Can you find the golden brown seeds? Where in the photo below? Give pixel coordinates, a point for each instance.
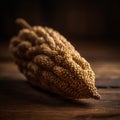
(50, 62)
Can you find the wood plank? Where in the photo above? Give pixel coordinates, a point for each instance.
(19, 100)
(107, 74)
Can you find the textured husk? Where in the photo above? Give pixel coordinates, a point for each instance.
(50, 62)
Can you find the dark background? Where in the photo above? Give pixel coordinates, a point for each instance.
(92, 21)
(93, 27)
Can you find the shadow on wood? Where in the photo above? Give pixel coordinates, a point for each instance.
(20, 92)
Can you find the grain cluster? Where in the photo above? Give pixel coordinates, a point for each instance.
(50, 62)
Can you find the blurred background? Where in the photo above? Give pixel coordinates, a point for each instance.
(93, 27)
(91, 23)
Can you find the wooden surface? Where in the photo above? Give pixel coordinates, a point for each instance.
(20, 101)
